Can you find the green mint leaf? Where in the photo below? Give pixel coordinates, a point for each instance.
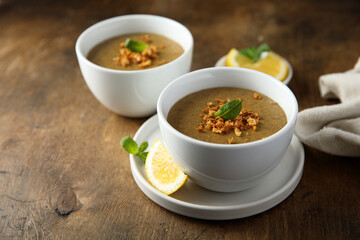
(143, 156)
(262, 48)
(229, 110)
(254, 53)
(143, 147)
(135, 46)
(129, 145)
(249, 52)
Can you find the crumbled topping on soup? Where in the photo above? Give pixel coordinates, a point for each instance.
(244, 121)
(126, 57)
(114, 53)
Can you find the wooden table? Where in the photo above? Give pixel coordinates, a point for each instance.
(63, 174)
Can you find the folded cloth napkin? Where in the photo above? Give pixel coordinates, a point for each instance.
(334, 129)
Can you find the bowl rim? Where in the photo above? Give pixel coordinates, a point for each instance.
(290, 123)
(109, 21)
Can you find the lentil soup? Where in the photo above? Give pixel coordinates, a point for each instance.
(259, 118)
(112, 53)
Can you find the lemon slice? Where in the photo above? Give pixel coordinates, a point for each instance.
(272, 64)
(161, 170)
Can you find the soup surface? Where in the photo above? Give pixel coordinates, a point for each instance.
(111, 54)
(189, 113)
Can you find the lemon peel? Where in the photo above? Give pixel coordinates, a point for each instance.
(271, 64)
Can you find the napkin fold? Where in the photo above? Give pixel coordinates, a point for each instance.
(334, 129)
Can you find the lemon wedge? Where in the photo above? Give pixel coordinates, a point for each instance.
(272, 64)
(161, 170)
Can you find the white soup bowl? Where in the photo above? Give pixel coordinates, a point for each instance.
(226, 167)
(132, 93)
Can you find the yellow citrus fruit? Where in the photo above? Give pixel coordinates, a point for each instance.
(272, 64)
(161, 170)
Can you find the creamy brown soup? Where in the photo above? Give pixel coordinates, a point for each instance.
(107, 53)
(187, 113)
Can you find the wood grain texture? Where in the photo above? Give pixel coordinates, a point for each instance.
(63, 174)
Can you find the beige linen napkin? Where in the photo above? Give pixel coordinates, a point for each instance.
(334, 129)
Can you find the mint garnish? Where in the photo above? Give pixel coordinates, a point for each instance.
(254, 53)
(131, 147)
(135, 46)
(229, 110)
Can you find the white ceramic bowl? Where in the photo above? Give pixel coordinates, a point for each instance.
(132, 93)
(225, 167)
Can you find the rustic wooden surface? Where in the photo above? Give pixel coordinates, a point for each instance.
(63, 174)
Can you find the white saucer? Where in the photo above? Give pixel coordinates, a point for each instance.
(194, 201)
(221, 63)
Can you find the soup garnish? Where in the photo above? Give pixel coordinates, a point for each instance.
(135, 52)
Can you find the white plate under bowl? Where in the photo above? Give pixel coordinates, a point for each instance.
(222, 63)
(194, 201)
